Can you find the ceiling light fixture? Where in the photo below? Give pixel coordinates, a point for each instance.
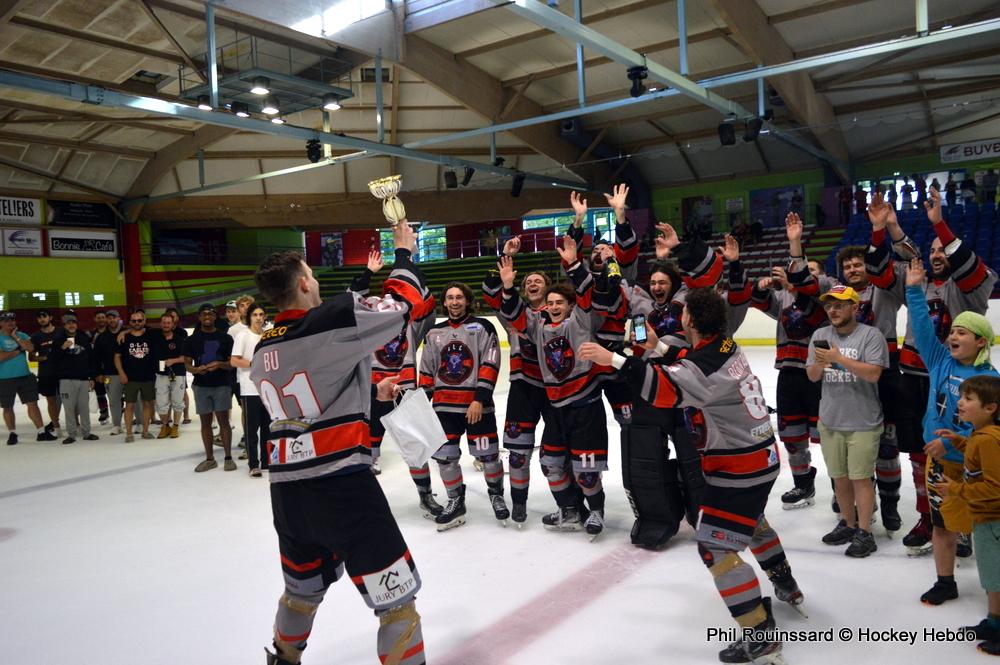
(240, 109)
(204, 102)
(261, 85)
(270, 106)
(330, 102)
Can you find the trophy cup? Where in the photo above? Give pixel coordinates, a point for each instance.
(386, 189)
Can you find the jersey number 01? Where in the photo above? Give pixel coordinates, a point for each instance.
(299, 389)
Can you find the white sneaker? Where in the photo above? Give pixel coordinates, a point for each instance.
(115, 431)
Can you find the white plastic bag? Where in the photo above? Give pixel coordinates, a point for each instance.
(415, 428)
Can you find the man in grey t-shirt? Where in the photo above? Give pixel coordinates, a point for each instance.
(849, 357)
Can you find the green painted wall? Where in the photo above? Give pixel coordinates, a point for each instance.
(88, 277)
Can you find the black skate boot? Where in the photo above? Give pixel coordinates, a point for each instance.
(963, 548)
(918, 540)
(500, 508)
(273, 658)
(785, 587)
(594, 524)
(803, 494)
(753, 651)
(563, 519)
(890, 516)
(454, 513)
(984, 630)
(519, 513)
(429, 506)
(841, 534)
(941, 592)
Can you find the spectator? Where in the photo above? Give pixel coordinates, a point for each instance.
(171, 377)
(234, 321)
(935, 185)
(950, 192)
(16, 379)
(906, 195)
(100, 389)
(207, 352)
(860, 200)
(76, 366)
(48, 382)
(135, 362)
(891, 195)
(756, 232)
(990, 180)
(848, 357)
(920, 185)
(979, 488)
(256, 421)
(844, 199)
(173, 311)
(968, 190)
(105, 348)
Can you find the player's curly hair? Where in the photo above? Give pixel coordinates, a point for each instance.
(277, 275)
(850, 252)
(708, 312)
(564, 289)
(464, 288)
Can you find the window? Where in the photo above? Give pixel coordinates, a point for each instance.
(599, 223)
(431, 244)
(71, 298)
(3, 302)
(99, 298)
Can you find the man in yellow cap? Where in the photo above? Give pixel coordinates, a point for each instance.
(848, 357)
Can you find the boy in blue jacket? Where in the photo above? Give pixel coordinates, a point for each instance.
(965, 353)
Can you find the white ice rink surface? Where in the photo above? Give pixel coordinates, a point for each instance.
(115, 554)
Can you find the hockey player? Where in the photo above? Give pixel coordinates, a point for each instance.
(960, 281)
(965, 354)
(397, 358)
(313, 372)
(459, 368)
(740, 460)
(576, 436)
(526, 399)
(788, 297)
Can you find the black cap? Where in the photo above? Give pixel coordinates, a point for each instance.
(69, 317)
(206, 307)
(42, 312)
(7, 316)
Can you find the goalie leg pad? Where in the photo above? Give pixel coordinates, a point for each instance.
(651, 485)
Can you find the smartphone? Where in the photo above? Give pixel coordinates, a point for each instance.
(639, 328)
(822, 344)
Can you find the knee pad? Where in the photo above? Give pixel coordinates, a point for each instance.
(448, 461)
(588, 479)
(300, 604)
(486, 459)
(718, 565)
(887, 450)
(517, 460)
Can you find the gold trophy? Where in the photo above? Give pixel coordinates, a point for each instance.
(386, 189)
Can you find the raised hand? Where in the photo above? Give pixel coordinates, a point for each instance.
(731, 250)
(568, 250)
(579, 206)
(512, 246)
(778, 276)
(507, 273)
(375, 260)
(669, 234)
(793, 227)
(933, 206)
(617, 198)
(878, 211)
(915, 273)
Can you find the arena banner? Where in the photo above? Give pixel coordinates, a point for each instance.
(80, 213)
(971, 150)
(82, 244)
(26, 212)
(22, 242)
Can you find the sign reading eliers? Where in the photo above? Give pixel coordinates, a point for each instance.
(20, 211)
(966, 152)
(22, 242)
(82, 244)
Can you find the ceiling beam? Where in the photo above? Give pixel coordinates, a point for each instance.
(298, 153)
(514, 99)
(86, 146)
(763, 157)
(885, 150)
(813, 10)
(419, 17)
(103, 195)
(394, 114)
(131, 87)
(145, 6)
(917, 97)
(680, 149)
(763, 41)
(593, 144)
(8, 8)
(483, 94)
(143, 124)
(91, 38)
(870, 73)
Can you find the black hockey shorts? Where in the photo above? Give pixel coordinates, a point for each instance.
(482, 436)
(375, 426)
(525, 403)
(579, 430)
(327, 524)
(729, 515)
(910, 411)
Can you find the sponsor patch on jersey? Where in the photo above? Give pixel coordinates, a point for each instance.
(300, 449)
(762, 432)
(474, 326)
(772, 455)
(393, 353)
(559, 357)
(456, 363)
(388, 587)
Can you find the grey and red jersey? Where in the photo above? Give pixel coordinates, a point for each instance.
(397, 357)
(567, 378)
(313, 373)
(968, 287)
(460, 364)
(736, 439)
(797, 312)
(523, 352)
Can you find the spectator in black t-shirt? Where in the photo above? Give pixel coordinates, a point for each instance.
(105, 348)
(135, 361)
(207, 352)
(48, 382)
(72, 356)
(171, 380)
